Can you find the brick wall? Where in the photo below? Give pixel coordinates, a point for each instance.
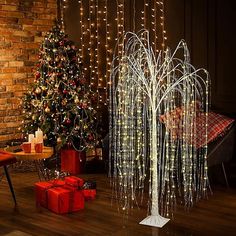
(22, 27)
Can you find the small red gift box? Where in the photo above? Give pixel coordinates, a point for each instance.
(41, 189)
(89, 194)
(65, 199)
(74, 181)
(72, 161)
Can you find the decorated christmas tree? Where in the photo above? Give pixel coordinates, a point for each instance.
(59, 101)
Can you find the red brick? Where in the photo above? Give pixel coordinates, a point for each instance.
(9, 70)
(30, 28)
(16, 63)
(13, 38)
(3, 101)
(13, 14)
(6, 57)
(9, 7)
(26, 21)
(41, 22)
(8, 21)
(12, 2)
(21, 33)
(17, 87)
(25, 69)
(4, 63)
(6, 95)
(2, 89)
(38, 39)
(5, 79)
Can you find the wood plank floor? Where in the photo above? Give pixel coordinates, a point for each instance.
(215, 216)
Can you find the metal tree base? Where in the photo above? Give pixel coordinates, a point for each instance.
(156, 221)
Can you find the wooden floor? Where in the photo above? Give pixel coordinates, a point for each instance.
(215, 216)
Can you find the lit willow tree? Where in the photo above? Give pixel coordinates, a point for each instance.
(147, 90)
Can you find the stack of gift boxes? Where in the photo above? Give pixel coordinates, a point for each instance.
(64, 196)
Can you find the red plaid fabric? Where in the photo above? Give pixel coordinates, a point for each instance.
(217, 125)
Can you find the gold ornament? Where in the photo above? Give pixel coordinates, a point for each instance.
(44, 88)
(76, 100)
(50, 92)
(64, 102)
(38, 90)
(47, 109)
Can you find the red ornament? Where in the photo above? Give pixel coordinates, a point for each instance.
(90, 137)
(37, 74)
(68, 121)
(73, 83)
(65, 91)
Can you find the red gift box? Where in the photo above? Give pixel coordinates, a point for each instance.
(65, 199)
(74, 181)
(72, 161)
(89, 194)
(41, 189)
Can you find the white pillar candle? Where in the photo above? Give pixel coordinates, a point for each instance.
(30, 138)
(39, 136)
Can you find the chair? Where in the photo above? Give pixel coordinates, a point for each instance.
(5, 160)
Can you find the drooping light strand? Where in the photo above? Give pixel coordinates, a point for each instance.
(108, 53)
(154, 12)
(162, 22)
(63, 6)
(153, 24)
(120, 24)
(92, 45)
(145, 14)
(82, 32)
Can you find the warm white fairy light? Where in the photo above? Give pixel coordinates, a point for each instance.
(144, 86)
(63, 6)
(120, 24)
(82, 32)
(162, 22)
(145, 13)
(108, 52)
(92, 39)
(154, 12)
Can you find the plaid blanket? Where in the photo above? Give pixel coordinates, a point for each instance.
(217, 125)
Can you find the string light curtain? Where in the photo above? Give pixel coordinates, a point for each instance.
(102, 23)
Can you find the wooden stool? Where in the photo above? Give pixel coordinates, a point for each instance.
(5, 160)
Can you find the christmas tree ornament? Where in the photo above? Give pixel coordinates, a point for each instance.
(47, 110)
(76, 100)
(37, 75)
(44, 88)
(38, 90)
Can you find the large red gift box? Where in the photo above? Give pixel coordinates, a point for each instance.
(72, 161)
(65, 199)
(41, 189)
(74, 181)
